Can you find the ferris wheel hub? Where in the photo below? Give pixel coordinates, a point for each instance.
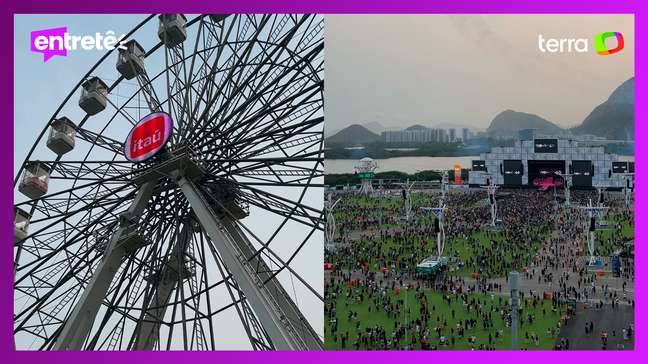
(181, 163)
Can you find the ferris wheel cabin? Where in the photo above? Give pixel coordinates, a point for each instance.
(35, 180)
(61, 136)
(130, 61)
(94, 95)
(21, 224)
(172, 29)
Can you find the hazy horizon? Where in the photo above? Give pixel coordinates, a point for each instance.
(400, 70)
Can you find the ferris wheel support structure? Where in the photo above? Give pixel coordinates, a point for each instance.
(149, 328)
(78, 326)
(284, 323)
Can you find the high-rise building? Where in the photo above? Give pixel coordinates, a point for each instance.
(420, 135)
(465, 135)
(453, 136)
(443, 136)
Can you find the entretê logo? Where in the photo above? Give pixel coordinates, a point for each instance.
(57, 42)
(148, 137)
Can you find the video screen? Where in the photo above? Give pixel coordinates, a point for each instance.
(620, 167)
(545, 146)
(512, 172)
(582, 171)
(479, 165)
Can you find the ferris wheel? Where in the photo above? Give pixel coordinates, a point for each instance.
(178, 203)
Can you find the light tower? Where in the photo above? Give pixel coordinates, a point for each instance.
(365, 171)
(600, 195)
(513, 283)
(444, 182)
(567, 177)
(439, 229)
(628, 188)
(408, 201)
(444, 185)
(329, 233)
(593, 212)
(491, 188)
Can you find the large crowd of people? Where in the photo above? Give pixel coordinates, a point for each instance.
(377, 248)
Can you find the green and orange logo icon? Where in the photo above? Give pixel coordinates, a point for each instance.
(601, 48)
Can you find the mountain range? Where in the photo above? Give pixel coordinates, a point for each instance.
(612, 119)
(509, 122)
(353, 135)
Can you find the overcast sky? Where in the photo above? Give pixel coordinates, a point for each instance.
(464, 69)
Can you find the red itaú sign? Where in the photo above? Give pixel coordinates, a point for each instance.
(148, 137)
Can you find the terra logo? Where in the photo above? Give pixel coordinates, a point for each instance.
(148, 136)
(57, 42)
(581, 45)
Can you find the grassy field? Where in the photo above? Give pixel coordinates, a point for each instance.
(414, 251)
(609, 240)
(545, 319)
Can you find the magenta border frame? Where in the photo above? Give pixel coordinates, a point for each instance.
(9, 8)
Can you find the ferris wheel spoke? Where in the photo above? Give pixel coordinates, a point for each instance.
(264, 45)
(277, 102)
(295, 68)
(302, 164)
(269, 253)
(274, 76)
(273, 124)
(92, 171)
(234, 166)
(104, 203)
(99, 140)
(66, 243)
(282, 141)
(147, 89)
(241, 57)
(222, 43)
(257, 336)
(268, 124)
(239, 85)
(282, 207)
(174, 84)
(292, 128)
(202, 76)
(304, 140)
(230, 84)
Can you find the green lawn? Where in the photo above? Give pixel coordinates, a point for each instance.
(412, 251)
(610, 240)
(542, 322)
